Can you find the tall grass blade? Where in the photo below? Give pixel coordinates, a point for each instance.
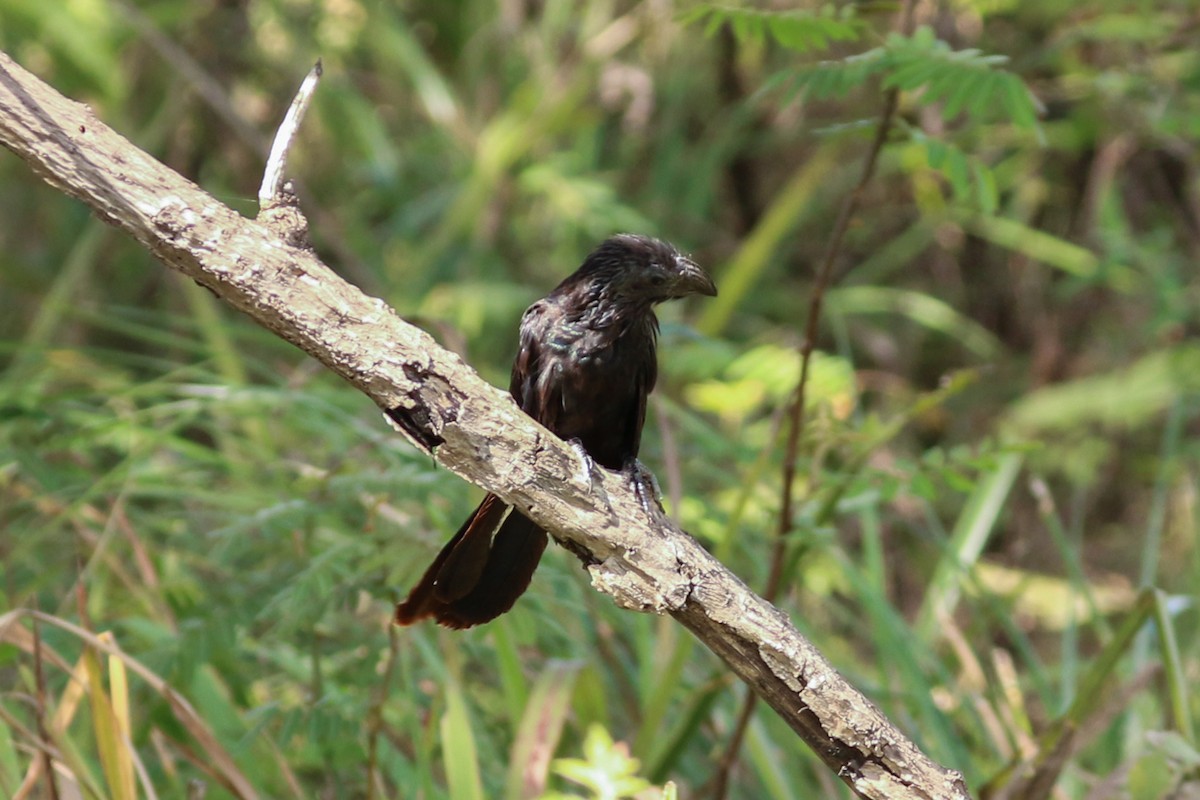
(970, 534)
(540, 729)
(458, 746)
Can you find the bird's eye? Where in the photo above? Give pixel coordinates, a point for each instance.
(658, 280)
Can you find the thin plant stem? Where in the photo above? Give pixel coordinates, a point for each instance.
(796, 411)
(43, 732)
(375, 786)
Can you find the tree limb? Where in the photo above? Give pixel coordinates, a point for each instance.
(468, 426)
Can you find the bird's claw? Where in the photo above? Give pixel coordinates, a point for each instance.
(645, 486)
(588, 474)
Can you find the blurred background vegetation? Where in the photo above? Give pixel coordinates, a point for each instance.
(1000, 452)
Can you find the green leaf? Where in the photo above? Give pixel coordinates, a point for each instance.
(458, 747)
(972, 531)
(966, 81)
(1122, 399)
(606, 768)
(540, 728)
(924, 309)
(1054, 251)
(797, 30)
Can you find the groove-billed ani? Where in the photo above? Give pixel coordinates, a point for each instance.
(585, 365)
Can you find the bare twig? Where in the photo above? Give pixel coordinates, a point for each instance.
(286, 136)
(470, 427)
(278, 204)
(811, 331)
(217, 98)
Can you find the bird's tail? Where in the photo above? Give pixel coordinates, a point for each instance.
(480, 572)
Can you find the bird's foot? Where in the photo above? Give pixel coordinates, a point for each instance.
(645, 486)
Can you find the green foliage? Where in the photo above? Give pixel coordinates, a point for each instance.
(972, 183)
(960, 81)
(801, 31)
(927, 69)
(763, 377)
(1000, 449)
(606, 769)
(1159, 772)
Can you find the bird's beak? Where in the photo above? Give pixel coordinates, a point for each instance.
(693, 279)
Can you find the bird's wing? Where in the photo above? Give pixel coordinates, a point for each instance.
(536, 382)
(527, 363)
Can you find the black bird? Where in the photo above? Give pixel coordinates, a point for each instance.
(585, 366)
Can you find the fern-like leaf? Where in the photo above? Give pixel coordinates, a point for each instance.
(800, 31)
(965, 81)
(836, 78)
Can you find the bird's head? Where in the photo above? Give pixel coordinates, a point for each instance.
(644, 270)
